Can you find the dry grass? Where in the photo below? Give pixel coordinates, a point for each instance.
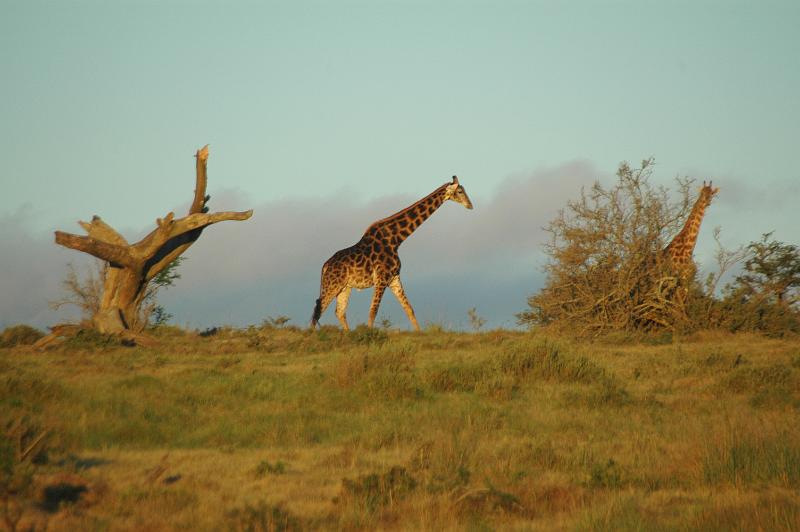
(279, 429)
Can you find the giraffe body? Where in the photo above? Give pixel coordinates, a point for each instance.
(374, 261)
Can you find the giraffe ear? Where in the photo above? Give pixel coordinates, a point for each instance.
(455, 180)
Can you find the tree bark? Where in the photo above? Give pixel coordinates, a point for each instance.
(132, 266)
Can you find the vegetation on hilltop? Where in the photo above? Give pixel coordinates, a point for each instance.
(608, 273)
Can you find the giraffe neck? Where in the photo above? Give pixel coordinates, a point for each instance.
(400, 225)
(681, 248)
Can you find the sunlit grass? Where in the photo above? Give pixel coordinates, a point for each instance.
(276, 427)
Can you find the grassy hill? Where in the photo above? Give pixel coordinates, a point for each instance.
(273, 428)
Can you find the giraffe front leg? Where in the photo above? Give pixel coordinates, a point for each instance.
(376, 301)
(397, 288)
(341, 307)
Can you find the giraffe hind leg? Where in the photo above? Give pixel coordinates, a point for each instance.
(397, 289)
(341, 307)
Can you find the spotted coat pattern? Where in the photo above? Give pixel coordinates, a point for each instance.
(373, 260)
(679, 251)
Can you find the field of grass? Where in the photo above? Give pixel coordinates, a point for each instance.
(280, 429)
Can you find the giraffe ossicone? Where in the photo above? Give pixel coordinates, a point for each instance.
(373, 260)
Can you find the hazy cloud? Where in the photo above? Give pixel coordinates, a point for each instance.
(270, 265)
(241, 272)
(31, 269)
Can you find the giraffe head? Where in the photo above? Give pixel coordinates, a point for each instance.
(456, 192)
(707, 193)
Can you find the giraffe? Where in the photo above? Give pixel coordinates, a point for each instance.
(679, 251)
(373, 260)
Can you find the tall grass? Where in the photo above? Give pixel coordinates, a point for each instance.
(744, 456)
(287, 429)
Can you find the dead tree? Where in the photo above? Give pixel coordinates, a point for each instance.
(130, 267)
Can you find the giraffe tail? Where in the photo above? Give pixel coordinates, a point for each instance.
(317, 313)
(318, 306)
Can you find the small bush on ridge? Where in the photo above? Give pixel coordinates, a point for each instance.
(19, 335)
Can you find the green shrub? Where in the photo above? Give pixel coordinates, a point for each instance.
(92, 339)
(382, 372)
(750, 457)
(434, 328)
(167, 331)
(457, 378)
(748, 379)
(265, 467)
(8, 457)
(20, 335)
(606, 393)
(736, 313)
(375, 490)
(545, 360)
(488, 500)
(623, 513)
(364, 335)
(501, 376)
(606, 475)
(263, 517)
(612, 393)
(775, 512)
(777, 397)
(765, 296)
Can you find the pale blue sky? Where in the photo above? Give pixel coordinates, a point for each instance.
(103, 103)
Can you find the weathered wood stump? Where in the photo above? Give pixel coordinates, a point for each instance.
(130, 267)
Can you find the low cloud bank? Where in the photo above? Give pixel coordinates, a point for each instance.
(488, 258)
(239, 273)
(242, 272)
(31, 270)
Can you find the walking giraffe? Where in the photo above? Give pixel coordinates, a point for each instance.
(679, 251)
(373, 260)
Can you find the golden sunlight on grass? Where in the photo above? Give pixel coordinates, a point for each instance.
(280, 429)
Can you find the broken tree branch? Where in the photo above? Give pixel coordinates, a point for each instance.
(112, 253)
(99, 230)
(200, 199)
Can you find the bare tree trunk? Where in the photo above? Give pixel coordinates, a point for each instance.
(132, 266)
